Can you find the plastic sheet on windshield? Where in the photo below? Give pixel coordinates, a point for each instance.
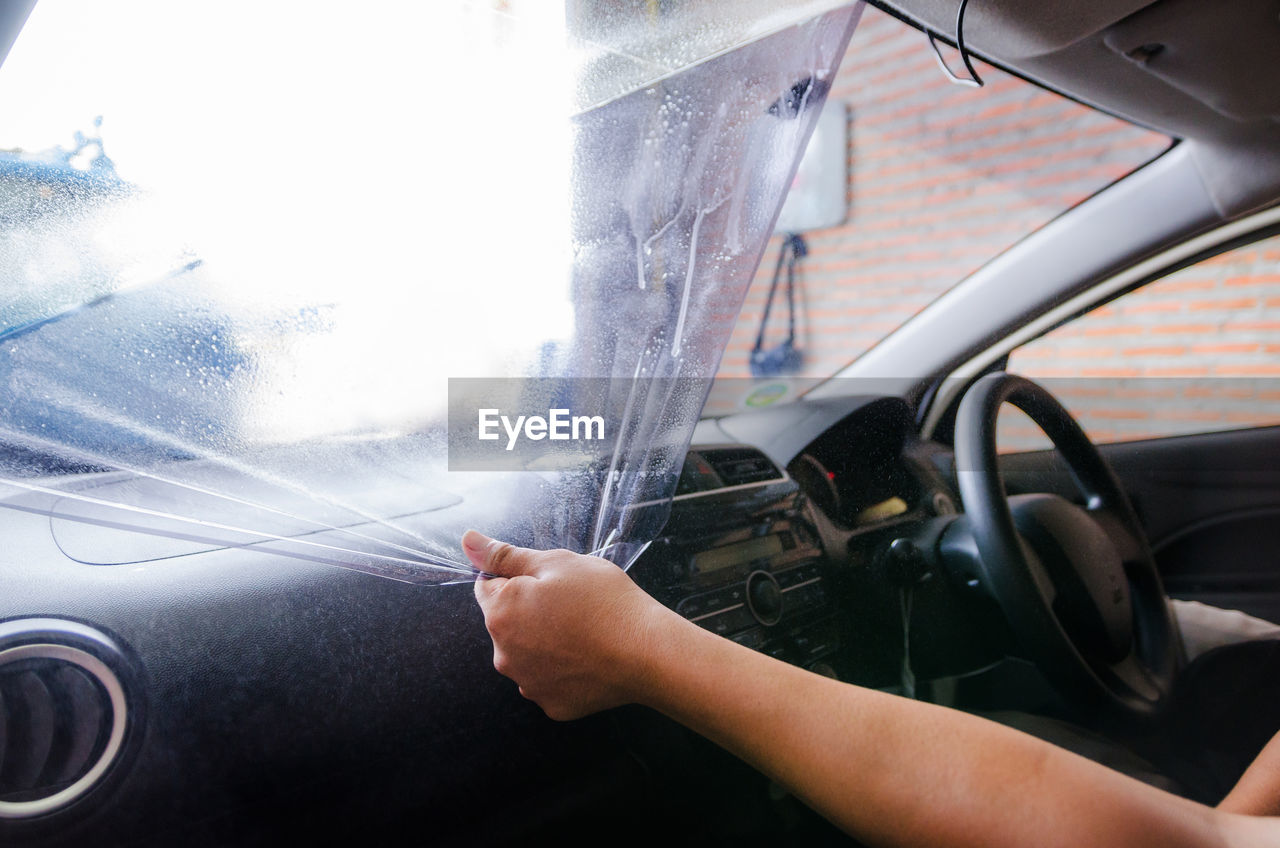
(250, 343)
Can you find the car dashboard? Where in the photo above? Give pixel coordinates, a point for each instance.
(264, 701)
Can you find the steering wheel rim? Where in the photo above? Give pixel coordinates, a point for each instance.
(1052, 599)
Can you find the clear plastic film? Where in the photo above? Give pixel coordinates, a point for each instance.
(259, 322)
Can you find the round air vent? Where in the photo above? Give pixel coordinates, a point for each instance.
(63, 714)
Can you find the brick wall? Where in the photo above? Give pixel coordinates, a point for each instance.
(941, 179)
(1194, 352)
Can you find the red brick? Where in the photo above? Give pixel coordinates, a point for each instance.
(1176, 414)
(1186, 329)
(1034, 352)
(1220, 259)
(1150, 308)
(1144, 394)
(1118, 330)
(1244, 347)
(1248, 370)
(1254, 280)
(1127, 413)
(1078, 390)
(1245, 326)
(1182, 284)
(1045, 373)
(1182, 371)
(1255, 419)
(1109, 372)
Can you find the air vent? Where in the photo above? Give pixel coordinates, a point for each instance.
(739, 466)
(62, 720)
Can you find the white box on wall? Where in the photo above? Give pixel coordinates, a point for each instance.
(817, 196)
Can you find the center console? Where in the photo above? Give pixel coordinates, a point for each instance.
(739, 558)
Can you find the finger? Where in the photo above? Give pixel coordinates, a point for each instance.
(487, 587)
(496, 558)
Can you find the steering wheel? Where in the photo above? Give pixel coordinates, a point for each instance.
(1077, 585)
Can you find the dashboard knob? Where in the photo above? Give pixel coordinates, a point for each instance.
(764, 597)
(825, 669)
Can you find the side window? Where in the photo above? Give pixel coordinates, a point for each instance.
(1194, 352)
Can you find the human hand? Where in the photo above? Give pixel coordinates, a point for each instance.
(573, 631)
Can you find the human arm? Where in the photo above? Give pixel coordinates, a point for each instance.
(578, 636)
(1257, 793)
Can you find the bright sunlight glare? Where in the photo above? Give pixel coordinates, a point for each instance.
(353, 159)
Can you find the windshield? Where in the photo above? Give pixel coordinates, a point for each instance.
(264, 266)
(910, 184)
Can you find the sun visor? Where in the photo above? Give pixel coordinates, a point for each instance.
(1227, 62)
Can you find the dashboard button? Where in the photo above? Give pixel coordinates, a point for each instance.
(824, 669)
(740, 618)
(791, 577)
(812, 595)
(692, 607)
(724, 598)
(764, 597)
(718, 624)
(818, 639)
(805, 596)
(729, 621)
(716, 600)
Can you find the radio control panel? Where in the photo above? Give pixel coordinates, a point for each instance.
(757, 579)
(785, 614)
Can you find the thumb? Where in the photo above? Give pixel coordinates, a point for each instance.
(496, 558)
